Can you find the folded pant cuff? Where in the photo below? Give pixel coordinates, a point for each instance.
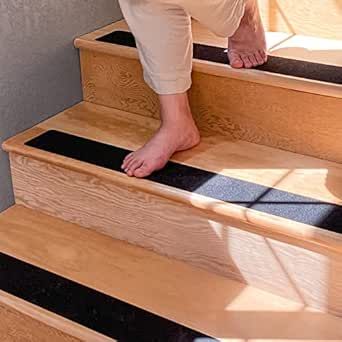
(168, 86)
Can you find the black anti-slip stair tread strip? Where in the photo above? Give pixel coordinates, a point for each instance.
(246, 194)
(277, 65)
(90, 308)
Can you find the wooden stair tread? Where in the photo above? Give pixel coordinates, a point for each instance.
(200, 300)
(293, 173)
(16, 326)
(299, 47)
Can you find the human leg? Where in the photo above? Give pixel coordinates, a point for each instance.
(164, 41)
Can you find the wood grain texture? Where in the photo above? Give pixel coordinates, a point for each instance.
(105, 79)
(313, 18)
(18, 327)
(201, 300)
(284, 118)
(222, 246)
(274, 168)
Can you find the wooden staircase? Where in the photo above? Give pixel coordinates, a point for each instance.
(238, 239)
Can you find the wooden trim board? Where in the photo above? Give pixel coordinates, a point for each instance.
(215, 305)
(202, 35)
(18, 326)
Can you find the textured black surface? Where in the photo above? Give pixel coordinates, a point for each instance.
(277, 65)
(92, 309)
(250, 195)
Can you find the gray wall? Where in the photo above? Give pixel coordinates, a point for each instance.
(39, 68)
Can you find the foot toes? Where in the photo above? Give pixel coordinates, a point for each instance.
(133, 166)
(127, 160)
(129, 156)
(253, 60)
(259, 58)
(130, 162)
(235, 60)
(143, 171)
(264, 56)
(247, 63)
(236, 63)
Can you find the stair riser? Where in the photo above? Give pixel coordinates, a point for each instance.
(182, 232)
(307, 17)
(257, 113)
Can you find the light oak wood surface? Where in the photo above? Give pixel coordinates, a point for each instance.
(203, 301)
(309, 17)
(222, 104)
(18, 327)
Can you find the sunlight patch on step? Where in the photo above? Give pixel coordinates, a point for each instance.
(311, 49)
(273, 39)
(246, 301)
(301, 274)
(217, 228)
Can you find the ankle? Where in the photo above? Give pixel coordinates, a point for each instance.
(178, 103)
(180, 137)
(175, 110)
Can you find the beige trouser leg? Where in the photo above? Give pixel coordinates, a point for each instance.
(220, 16)
(162, 29)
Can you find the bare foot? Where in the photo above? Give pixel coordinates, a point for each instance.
(177, 132)
(247, 47)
